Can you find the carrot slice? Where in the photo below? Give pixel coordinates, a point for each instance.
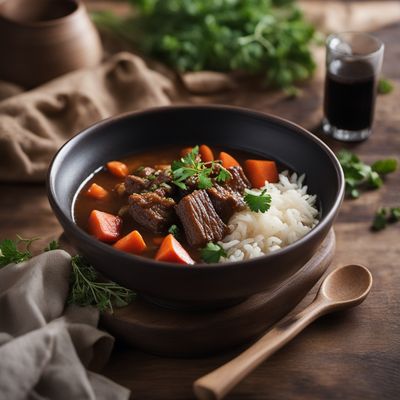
(172, 251)
(227, 160)
(184, 152)
(118, 168)
(105, 227)
(158, 240)
(131, 243)
(259, 171)
(206, 153)
(96, 191)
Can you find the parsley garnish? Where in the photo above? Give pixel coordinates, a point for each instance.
(384, 216)
(174, 230)
(212, 253)
(11, 252)
(85, 290)
(84, 286)
(385, 86)
(53, 245)
(359, 175)
(260, 202)
(191, 166)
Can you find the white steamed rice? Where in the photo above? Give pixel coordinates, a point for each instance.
(292, 215)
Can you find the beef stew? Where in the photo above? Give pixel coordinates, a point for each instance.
(158, 194)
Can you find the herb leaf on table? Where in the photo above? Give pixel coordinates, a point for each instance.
(359, 175)
(385, 86)
(53, 245)
(11, 252)
(385, 216)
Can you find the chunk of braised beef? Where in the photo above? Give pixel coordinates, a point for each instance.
(157, 181)
(162, 183)
(152, 211)
(225, 201)
(144, 172)
(136, 184)
(165, 190)
(162, 176)
(199, 219)
(238, 181)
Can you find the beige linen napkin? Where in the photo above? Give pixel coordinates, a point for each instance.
(33, 125)
(45, 347)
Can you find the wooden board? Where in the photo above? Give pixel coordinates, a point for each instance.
(176, 333)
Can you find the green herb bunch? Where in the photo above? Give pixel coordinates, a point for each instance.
(85, 287)
(268, 37)
(87, 290)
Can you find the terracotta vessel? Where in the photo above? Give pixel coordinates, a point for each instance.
(43, 39)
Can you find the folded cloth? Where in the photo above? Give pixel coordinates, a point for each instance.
(34, 124)
(45, 347)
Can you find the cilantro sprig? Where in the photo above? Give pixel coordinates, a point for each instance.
(359, 175)
(191, 166)
(212, 253)
(258, 202)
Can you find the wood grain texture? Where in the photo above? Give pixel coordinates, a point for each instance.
(350, 355)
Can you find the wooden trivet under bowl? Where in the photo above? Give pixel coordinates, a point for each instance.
(177, 333)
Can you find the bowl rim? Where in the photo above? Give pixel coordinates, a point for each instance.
(85, 237)
(78, 8)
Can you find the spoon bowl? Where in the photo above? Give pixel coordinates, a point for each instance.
(346, 286)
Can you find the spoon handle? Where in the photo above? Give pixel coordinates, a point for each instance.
(219, 382)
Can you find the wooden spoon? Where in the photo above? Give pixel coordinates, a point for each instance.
(344, 287)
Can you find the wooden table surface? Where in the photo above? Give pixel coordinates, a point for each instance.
(350, 355)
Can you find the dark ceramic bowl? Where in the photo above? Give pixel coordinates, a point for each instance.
(201, 284)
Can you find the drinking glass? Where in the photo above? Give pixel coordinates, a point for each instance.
(353, 64)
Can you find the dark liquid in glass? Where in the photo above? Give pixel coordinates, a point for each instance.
(350, 95)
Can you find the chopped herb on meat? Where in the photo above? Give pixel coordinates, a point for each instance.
(191, 166)
(174, 230)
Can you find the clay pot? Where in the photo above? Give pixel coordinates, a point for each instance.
(43, 39)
